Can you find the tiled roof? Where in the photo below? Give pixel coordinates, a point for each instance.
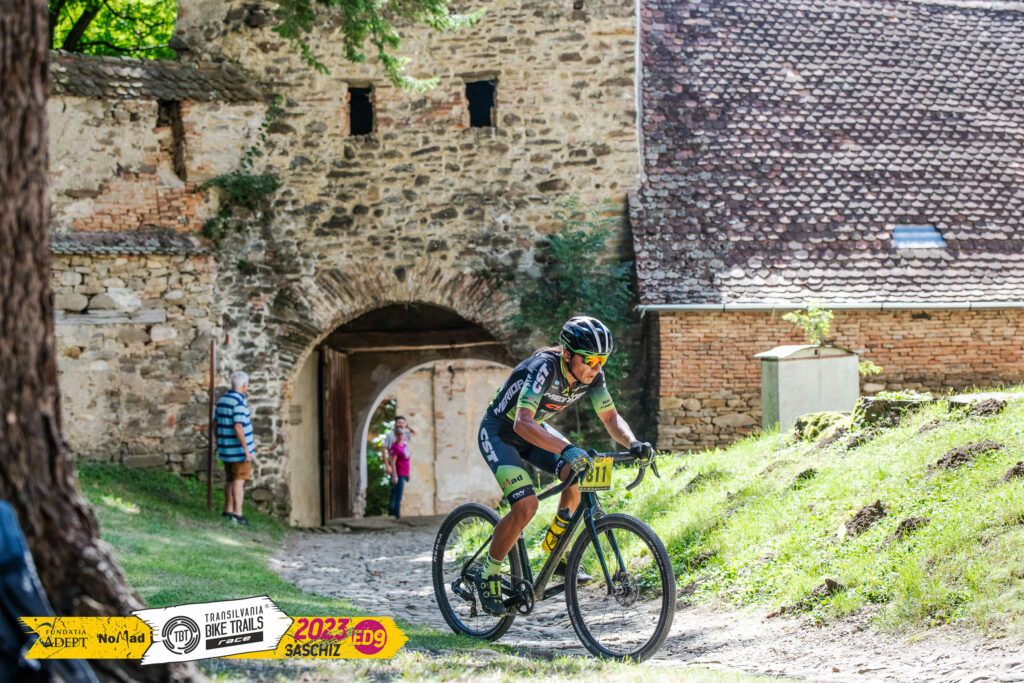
(117, 243)
(132, 78)
(784, 139)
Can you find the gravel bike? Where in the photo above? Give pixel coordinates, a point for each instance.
(623, 613)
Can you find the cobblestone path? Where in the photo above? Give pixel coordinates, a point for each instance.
(388, 573)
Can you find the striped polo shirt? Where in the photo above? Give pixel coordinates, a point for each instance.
(231, 410)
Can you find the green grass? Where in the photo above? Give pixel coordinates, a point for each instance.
(174, 552)
(772, 535)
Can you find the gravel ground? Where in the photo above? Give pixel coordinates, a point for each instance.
(388, 573)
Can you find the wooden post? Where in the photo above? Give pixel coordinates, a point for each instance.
(211, 428)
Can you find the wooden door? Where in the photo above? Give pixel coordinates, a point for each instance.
(339, 478)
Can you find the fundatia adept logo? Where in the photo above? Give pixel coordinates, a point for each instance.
(181, 635)
(53, 635)
(213, 629)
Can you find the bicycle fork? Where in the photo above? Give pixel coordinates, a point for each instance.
(588, 520)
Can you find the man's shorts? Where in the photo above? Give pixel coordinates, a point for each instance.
(505, 454)
(233, 471)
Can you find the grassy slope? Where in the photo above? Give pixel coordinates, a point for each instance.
(175, 552)
(773, 535)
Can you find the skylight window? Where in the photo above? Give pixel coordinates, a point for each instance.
(917, 237)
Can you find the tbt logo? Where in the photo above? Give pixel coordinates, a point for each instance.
(181, 635)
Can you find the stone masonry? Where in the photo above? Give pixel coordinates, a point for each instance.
(423, 209)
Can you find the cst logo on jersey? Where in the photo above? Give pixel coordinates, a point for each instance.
(538, 382)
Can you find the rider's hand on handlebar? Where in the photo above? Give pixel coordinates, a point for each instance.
(577, 458)
(642, 451)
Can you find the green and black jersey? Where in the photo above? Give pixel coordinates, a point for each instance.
(541, 383)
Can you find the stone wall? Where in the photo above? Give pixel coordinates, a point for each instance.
(133, 335)
(424, 209)
(710, 385)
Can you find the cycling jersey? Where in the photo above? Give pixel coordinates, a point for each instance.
(540, 383)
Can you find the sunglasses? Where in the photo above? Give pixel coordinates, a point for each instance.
(594, 361)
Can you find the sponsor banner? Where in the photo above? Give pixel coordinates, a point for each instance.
(337, 638)
(213, 629)
(88, 637)
(131, 637)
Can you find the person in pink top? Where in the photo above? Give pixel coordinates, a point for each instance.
(398, 458)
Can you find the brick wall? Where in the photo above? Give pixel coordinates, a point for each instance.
(709, 386)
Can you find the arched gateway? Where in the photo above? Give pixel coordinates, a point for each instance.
(339, 381)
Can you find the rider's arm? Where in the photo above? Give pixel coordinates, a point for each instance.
(541, 373)
(617, 427)
(614, 423)
(531, 430)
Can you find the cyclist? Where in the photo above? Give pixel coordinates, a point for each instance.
(513, 430)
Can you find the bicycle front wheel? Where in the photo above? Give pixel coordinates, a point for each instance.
(626, 613)
(460, 551)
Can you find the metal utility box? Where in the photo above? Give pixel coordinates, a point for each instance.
(796, 380)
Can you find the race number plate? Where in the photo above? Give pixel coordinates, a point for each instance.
(599, 477)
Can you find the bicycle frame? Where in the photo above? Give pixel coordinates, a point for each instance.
(584, 514)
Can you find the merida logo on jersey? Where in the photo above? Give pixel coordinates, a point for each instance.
(509, 395)
(542, 374)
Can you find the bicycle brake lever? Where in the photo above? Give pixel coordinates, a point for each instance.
(639, 478)
(654, 468)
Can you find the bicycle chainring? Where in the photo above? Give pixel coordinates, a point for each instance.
(522, 595)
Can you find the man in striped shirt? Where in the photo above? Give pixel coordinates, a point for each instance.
(235, 445)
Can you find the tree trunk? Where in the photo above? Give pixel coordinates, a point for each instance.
(37, 476)
(78, 30)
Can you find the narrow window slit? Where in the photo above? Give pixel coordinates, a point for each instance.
(360, 111)
(480, 95)
(168, 113)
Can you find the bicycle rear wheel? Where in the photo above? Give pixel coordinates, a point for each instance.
(629, 616)
(464, 531)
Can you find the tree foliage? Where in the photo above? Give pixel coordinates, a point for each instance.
(814, 321)
(378, 483)
(369, 20)
(143, 28)
(136, 28)
(577, 278)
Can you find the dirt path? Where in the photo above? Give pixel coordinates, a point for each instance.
(388, 573)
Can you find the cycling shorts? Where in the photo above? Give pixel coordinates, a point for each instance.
(504, 451)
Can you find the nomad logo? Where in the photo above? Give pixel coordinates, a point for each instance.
(510, 482)
(120, 637)
(181, 635)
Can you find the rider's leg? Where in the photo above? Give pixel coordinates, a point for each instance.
(570, 496)
(507, 531)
